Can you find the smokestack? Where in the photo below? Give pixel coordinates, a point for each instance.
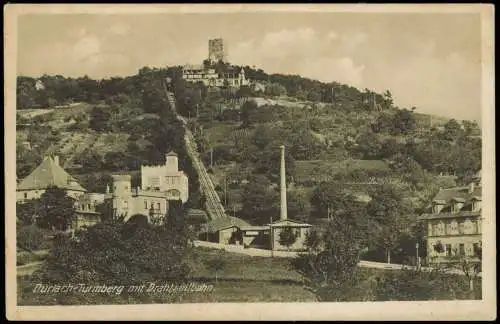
(56, 159)
(283, 208)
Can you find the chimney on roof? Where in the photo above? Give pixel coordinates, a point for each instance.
(56, 159)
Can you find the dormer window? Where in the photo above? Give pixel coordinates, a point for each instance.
(476, 204)
(437, 206)
(457, 204)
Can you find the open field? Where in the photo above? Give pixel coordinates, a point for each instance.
(243, 279)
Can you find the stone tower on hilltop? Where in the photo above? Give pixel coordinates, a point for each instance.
(216, 50)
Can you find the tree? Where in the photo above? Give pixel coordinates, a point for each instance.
(298, 205)
(117, 253)
(369, 146)
(217, 264)
(99, 119)
(470, 265)
(26, 212)
(452, 130)
(329, 199)
(333, 271)
(26, 161)
(313, 241)
(56, 209)
(261, 201)
(287, 237)
(390, 215)
(247, 109)
(403, 122)
(275, 90)
(314, 95)
(30, 237)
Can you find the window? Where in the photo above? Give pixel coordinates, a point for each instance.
(475, 248)
(440, 228)
(145, 204)
(25, 195)
(461, 249)
(448, 250)
(476, 205)
(88, 206)
(461, 227)
(158, 205)
(453, 228)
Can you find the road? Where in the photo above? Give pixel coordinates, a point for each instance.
(284, 254)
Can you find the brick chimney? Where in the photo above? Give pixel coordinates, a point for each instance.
(283, 205)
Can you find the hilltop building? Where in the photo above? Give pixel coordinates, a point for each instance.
(216, 50)
(453, 220)
(49, 174)
(208, 75)
(159, 185)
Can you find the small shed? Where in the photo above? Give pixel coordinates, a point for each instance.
(224, 230)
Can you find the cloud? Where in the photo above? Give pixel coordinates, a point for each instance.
(332, 35)
(305, 52)
(85, 47)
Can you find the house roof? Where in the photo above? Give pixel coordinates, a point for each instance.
(224, 223)
(449, 196)
(457, 193)
(290, 222)
(171, 153)
(47, 174)
(254, 228)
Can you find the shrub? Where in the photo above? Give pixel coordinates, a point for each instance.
(421, 285)
(30, 237)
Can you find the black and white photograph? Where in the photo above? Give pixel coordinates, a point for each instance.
(206, 159)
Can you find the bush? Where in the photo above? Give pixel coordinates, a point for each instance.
(30, 237)
(420, 285)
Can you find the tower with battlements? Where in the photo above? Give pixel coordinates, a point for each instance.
(216, 50)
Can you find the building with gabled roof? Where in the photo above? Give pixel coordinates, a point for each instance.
(49, 173)
(453, 222)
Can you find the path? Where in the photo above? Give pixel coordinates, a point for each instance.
(28, 269)
(284, 254)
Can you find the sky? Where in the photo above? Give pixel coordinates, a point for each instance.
(431, 61)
